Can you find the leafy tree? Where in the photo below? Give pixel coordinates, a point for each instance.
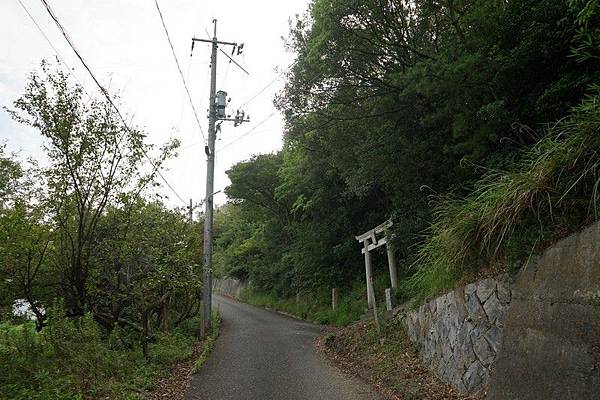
(25, 239)
(10, 174)
(94, 158)
(145, 273)
(81, 230)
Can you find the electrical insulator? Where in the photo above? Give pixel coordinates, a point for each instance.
(221, 103)
(239, 117)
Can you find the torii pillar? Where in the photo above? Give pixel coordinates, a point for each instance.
(370, 242)
(369, 275)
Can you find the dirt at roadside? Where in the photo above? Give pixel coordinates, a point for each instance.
(388, 362)
(176, 383)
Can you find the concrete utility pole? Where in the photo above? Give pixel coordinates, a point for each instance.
(215, 112)
(210, 184)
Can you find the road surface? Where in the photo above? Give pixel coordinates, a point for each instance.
(263, 355)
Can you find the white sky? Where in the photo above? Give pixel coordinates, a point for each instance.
(124, 44)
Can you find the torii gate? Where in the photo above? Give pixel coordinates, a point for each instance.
(370, 242)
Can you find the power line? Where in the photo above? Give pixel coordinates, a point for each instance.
(267, 85)
(105, 93)
(249, 132)
(60, 57)
(179, 69)
(72, 45)
(165, 181)
(187, 74)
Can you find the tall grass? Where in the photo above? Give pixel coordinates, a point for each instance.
(550, 192)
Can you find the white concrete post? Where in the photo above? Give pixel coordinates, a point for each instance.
(388, 299)
(334, 298)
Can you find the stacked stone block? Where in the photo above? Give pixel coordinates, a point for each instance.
(459, 334)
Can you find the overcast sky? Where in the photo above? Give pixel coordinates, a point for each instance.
(124, 43)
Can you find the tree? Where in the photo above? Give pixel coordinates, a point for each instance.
(25, 238)
(94, 158)
(10, 173)
(145, 271)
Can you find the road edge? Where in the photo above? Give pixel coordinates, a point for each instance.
(173, 386)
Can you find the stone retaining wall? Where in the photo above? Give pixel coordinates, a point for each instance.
(551, 345)
(459, 334)
(534, 337)
(229, 287)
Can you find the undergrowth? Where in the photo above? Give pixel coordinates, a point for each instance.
(71, 358)
(550, 192)
(387, 359)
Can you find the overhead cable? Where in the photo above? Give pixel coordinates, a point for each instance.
(56, 52)
(249, 132)
(267, 85)
(179, 69)
(105, 93)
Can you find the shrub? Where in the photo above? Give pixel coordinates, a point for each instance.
(171, 347)
(72, 359)
(26, 365)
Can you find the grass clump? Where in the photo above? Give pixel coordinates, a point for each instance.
(550, 192)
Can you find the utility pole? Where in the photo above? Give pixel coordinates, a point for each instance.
(190, 212)
(216, 111)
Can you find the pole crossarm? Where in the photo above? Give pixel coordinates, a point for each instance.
(214, 41)
(231, 119)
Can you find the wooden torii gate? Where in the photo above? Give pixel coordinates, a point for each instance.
(370, 242)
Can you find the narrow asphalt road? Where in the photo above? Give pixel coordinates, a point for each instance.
(263, 355)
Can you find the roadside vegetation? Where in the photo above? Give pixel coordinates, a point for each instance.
(388, 360)
(313, 306)
(474, 125)
(71, 358)
(99, 280)
(552, 189)
(209, 342)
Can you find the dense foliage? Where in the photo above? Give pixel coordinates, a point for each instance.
(88, 251)
(403, 109)
(73, 358)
